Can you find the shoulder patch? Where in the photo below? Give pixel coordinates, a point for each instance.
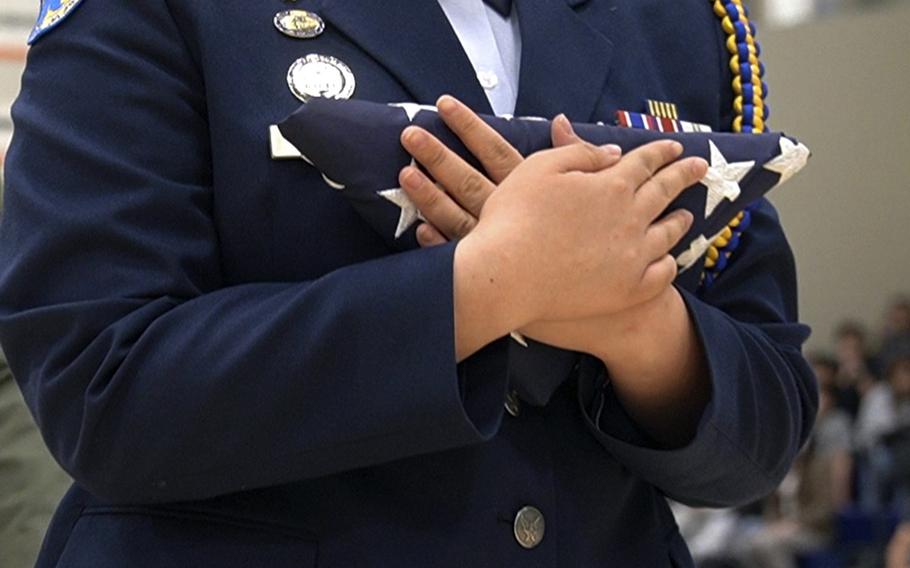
(51, 14)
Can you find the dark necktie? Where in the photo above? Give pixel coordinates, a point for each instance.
(504, 7)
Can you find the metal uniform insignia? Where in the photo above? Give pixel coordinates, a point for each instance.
(529, 527)
(51, 14)
(320, 76)
(299, 24)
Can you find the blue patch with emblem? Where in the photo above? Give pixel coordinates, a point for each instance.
(52, 13)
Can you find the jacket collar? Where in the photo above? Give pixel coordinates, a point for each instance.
(564, 62)
(415, 42)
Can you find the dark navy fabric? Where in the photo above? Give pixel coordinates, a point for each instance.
(238, 370)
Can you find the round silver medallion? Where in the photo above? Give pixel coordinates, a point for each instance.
(299, 24)
(529, 527)
(320, 76)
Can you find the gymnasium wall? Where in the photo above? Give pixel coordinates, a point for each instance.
(842, 86)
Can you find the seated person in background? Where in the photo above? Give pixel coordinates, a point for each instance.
(896, 332)
(801, 514)
(882, 435)
(825, 368)
(856, 373)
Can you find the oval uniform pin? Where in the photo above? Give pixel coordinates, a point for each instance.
(320, 76)
(299, 24)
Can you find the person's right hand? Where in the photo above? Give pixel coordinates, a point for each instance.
(574, 235)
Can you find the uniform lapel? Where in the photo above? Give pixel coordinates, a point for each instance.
(564, 61)
(414, 41)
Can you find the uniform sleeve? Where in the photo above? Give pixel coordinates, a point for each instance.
(152, 380)
(764, 396)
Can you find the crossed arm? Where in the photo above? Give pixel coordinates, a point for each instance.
(569, 247)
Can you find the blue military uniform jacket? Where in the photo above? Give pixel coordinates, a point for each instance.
(237, 371)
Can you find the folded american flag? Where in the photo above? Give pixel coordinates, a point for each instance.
(355, 144)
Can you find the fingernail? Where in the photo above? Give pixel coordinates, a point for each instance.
(408, 176)
(445, 104)
(413, 136)
(699, 166)
(562, 122)
(676, 147)
(612, 149)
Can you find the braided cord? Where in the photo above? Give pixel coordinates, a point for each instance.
(750, 113)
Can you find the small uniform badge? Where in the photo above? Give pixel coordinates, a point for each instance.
(320, 76)
(51, 14)
(299, 24)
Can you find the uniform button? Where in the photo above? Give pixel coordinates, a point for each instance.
(529, 527)
(512, 404)
(488, 79)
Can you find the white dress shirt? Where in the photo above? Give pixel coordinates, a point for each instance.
(493, 45)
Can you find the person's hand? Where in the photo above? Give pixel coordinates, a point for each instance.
(454, 212)
(576, 225)
(602, 334)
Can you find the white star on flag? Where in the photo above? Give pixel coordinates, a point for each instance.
(411, 109)
(519, 338)
(409, 213)
(698, 247)
(792, 159)
(722, 179)
(281, 147)
(332, 183)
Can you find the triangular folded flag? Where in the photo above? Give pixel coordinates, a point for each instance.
(356, 145)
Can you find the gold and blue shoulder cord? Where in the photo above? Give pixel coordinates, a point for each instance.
(750, 113)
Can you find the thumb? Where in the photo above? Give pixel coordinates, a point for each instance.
(562, 133)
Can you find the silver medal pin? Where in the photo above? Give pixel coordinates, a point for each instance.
(299, 24)
(320, 76)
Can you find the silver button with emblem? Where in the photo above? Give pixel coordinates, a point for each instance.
(529, 527)
(513, 404)
(299, 24)
(320, 76)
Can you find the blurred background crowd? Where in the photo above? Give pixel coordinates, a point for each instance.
(838, 73)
